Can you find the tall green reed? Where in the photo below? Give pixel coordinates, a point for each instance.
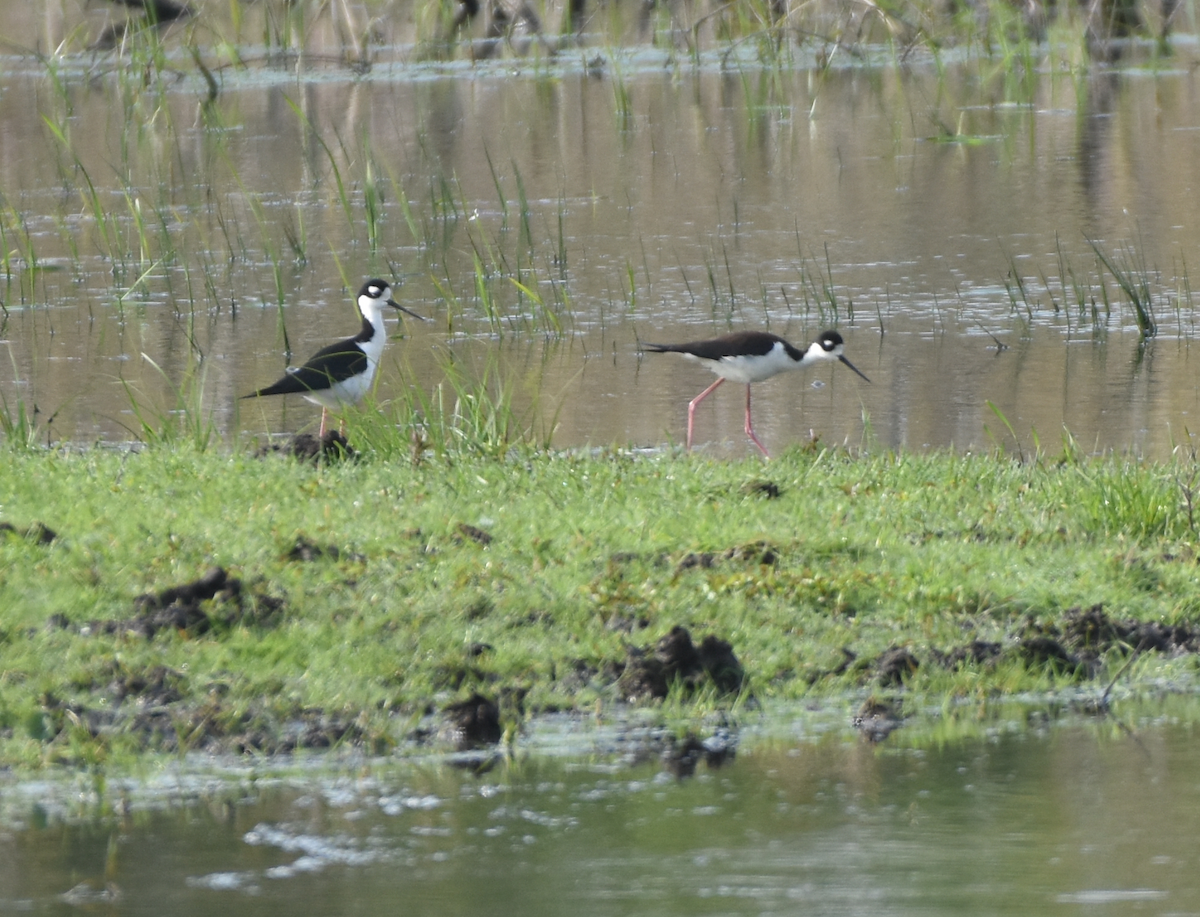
(466, 413)
(187, 421)
(1128, 268)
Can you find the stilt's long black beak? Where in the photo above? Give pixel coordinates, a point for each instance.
(851, 365)
(396, 305)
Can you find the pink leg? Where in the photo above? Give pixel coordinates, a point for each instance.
(694, 402)
(750, 429)
(321, 435)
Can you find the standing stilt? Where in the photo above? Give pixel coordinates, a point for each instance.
(752, 356)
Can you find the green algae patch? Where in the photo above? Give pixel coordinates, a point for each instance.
(172, 600)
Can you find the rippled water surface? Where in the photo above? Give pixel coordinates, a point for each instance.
(1078, 818)
(549, 212)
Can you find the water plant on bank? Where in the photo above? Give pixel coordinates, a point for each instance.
(176, 599)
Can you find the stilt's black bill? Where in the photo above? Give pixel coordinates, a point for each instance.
(396, 305)
(853, 367)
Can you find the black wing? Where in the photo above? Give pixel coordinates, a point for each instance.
(329, 365)
(738, 344)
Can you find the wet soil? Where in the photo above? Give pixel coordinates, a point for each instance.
(676, 661)
(214, 600)
(37, 532)
(332, 447)
(1073, 645)
(157, 708)
(472, 723)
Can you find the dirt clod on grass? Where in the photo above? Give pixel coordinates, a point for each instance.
(150, 708)
(472, 723)
(306, 551)
(761, 488)
(37, 533)
(214, 600)
(756, 552)
(675, 659)
(472, 533)
(1076, 643)
(1092, 631)
(895, 665)
(307, 447)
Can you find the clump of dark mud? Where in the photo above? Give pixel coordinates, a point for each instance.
(977, 652)
(215, 600)
(471, 723)
(676, 660)
(148, 706)
(37, 533)
(332, 447)
(307, 551)
(761, 488)
(1075, 644)
(472, 533)
(895, 665)
(1091, 630)
(756, 552)
(891, 668)
(156, 708)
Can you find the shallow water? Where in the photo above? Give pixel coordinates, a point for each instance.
(642, 195)
(1034, 818)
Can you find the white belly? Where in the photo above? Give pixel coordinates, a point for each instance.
(350, 391)
(751, 369)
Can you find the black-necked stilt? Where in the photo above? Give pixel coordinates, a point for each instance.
(752, 356)
(342, 373)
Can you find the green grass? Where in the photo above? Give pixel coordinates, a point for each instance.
(927, 552)
(588, 555)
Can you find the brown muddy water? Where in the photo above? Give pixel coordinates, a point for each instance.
(547, 212)
(1030, 816)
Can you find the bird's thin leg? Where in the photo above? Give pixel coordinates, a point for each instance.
(324, 414)
(694, 402)
(750, 428)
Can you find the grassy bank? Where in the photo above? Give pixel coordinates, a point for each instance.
(354, 599)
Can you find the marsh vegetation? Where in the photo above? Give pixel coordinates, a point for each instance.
(210, 179)
(194, 205)
(177, 600)
(211, 182)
